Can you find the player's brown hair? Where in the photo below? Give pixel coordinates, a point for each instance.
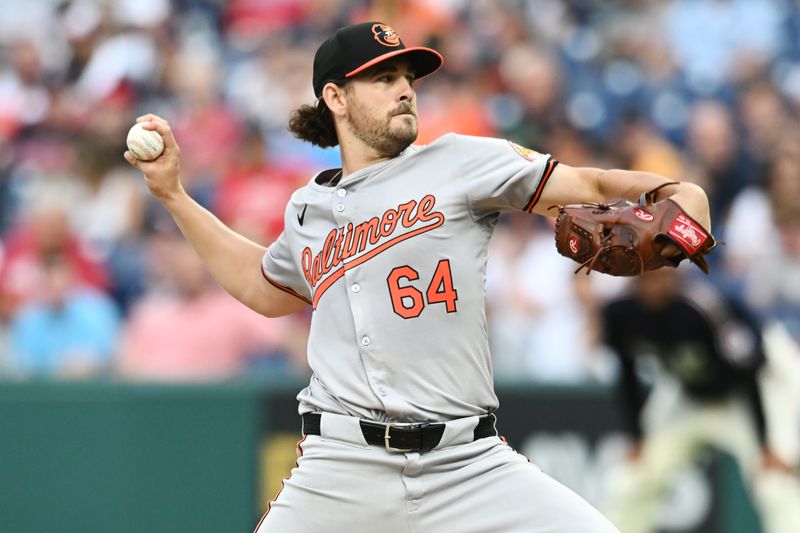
(314, 124)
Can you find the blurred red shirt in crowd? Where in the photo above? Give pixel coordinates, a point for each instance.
(22, 268)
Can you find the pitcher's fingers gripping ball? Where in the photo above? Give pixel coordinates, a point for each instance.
(145, 145)
(626, 238)
(162, 173)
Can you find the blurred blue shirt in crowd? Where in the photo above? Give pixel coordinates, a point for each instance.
(67, 331)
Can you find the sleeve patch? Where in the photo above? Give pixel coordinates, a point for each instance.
(527, 153)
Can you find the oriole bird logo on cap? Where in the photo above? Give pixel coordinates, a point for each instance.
(385, 35)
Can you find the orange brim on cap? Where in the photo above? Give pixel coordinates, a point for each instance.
(425, 61)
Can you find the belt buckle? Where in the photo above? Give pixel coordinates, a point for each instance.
(387, 437)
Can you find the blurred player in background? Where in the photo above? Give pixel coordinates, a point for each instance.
(706, 392)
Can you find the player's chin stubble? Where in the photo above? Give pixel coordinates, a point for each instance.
(379, 134)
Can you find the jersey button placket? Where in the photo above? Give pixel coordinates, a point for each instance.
(339, 207)
(377, 377)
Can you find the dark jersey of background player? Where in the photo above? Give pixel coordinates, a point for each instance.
(707, 341)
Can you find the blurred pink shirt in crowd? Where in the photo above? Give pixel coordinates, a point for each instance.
(202, 339)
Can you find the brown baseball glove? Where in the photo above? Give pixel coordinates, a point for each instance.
(626, 238)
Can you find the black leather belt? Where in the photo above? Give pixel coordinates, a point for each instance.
(402, 437)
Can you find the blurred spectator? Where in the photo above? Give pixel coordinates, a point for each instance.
(765, 118)
(267, 84)
(253, 193)
(534, 106)
(111, 219)
(540, 311)
(189, 329)
(44, 232)
(642, 147)
(774, 285)
(24, 95)
(67, 330)
(752, 236)
(110, 195)
(209, 131)
(714, 151)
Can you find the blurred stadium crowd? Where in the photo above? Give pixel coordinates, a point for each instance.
(95, 279)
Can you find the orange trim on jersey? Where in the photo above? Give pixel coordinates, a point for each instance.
(299, 449)
(338, 273)
(551, 165)
(283, 287)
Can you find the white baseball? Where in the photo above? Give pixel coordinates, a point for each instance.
(144, 144)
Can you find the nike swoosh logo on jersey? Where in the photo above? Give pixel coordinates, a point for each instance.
(302, 216)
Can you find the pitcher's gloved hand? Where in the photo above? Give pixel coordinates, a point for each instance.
(627, 238)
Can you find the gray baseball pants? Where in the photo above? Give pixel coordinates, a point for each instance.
(344, 485)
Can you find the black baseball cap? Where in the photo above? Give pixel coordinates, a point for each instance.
(355, 48)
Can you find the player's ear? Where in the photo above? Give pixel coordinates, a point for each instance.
(335, 98)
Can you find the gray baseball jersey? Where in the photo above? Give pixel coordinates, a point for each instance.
(393, 260)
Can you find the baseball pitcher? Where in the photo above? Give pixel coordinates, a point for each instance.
(390, 252)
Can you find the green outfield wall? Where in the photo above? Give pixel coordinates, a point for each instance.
(123, 458)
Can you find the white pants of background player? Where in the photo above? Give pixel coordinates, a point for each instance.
(677, 429)
(344, 485)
